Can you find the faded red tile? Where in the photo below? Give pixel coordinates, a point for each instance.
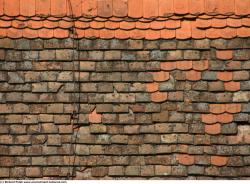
(43, 7)
(150, 8)
(58, 8)
(120, 8)
(159, 96)
(232, 86)
(104, 8)
(181, 6)
(135, 8)
(166, 7)
(219, 160)
(185, 159)
(27, 7)
(12, 7)
(89, 8)
(213, 129)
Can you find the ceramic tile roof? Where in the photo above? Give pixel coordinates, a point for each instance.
(123, 19)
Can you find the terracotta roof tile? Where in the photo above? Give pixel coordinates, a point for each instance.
(129, 18)
(167, 34)
(166, 7)
(120, 8)
(75, 7)
(185, 31)
(181, 6)
(89, 8)
(242, 7)
(27, 7)
(45, 33)
(30, 33)
(1, 7)
(135, 8)
(137, 34)
(234, 22)
(152, 35)
(3, 33)
(104, 8)
(120, 34)
(150, 8)
(11, 8)
(43, 7)
(196, 6)
(58, 8)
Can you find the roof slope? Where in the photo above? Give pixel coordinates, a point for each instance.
(123, 19)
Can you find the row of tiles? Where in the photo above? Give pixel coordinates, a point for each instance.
(122, 8)
(127, 25)
(185, 32)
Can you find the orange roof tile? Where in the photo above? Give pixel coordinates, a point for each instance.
(122, 19)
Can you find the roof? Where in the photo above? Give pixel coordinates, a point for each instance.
(123, 19)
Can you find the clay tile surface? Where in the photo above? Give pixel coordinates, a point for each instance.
(137, 19)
